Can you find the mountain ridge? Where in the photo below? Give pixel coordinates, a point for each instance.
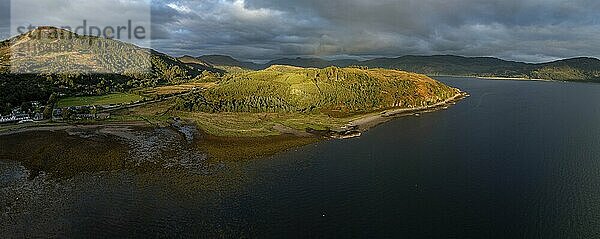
(577, 68)
(224, 60)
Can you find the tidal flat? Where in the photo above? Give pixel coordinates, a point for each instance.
(42, 172)
(67, 151)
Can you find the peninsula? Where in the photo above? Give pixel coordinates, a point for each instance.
(224, 104)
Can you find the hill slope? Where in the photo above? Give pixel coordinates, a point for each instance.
(199, 64)
(570, 69)
(49, 59)
(49, 50)
(334, 91)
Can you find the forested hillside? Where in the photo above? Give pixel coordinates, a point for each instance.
(334, 91)
(570, 69)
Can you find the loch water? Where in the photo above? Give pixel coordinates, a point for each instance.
(517, 159)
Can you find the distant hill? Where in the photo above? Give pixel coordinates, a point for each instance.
(311, 62)
(583, 68)
(586, 69)
(451, 65)
(220, 60)
(575, 69)
(332, 90)
(199, 64)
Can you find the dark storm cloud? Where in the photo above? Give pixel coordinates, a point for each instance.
(231, 27)
(529, 30)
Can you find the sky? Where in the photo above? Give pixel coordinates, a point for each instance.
(260, 30)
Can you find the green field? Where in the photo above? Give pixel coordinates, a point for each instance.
(117, 98)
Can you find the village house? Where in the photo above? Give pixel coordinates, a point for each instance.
(78, 113)
(13, 118)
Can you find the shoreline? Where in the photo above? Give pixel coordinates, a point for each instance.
(494, 78)
(66, 126)
(220, 148)
(363, 123)
(353, 128)
(511, 78)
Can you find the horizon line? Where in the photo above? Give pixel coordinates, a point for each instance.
(304, 56)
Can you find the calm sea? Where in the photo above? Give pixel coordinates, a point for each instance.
(517, 159)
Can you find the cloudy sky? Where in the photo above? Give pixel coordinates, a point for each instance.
(524, 30)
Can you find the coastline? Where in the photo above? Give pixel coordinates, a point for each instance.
(67, 126)
(493, 78)
(365, 122)
(353, 128)
(217, 148)
(511, 78)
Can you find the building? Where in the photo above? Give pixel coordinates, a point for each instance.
(38, 117)
(14, 118)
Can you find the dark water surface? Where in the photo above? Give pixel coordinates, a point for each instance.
(515, 160)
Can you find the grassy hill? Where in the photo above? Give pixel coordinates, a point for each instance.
(333, 91)
(49, 59)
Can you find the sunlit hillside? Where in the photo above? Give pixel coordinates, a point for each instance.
(335, 91)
